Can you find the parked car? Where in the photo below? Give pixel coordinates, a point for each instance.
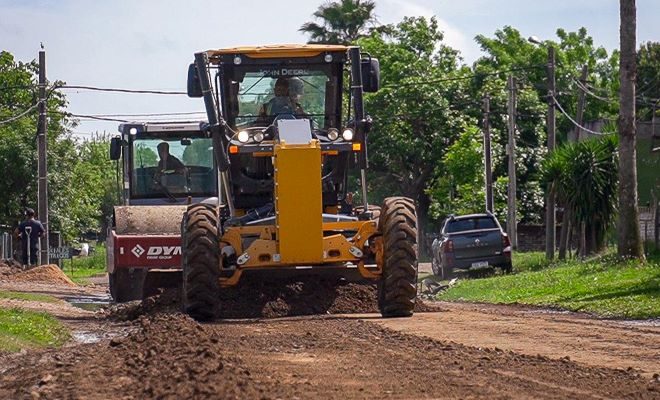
(471, 242)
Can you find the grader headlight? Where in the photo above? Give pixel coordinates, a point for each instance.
(333, 134)
(243, 136)
(347, 135)
(258, 137)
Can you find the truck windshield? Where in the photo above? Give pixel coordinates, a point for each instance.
(172, 167)
(269, 93)
(470, 224)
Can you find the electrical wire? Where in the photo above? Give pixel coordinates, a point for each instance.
(150, 114)
(561, 109)
(15, 117)
(594, 95)
(100, 89)
(460, 78)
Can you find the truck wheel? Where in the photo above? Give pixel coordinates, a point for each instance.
(199, 251)
(507, 268)
(435, 266)
(397, 288)
(126, 285)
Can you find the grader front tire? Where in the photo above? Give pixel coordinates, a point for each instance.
(201, 268)
(398, 286)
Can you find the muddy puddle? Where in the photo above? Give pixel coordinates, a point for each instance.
(88, 302)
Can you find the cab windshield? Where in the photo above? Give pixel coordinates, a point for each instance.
(264, 94)
(172, 167)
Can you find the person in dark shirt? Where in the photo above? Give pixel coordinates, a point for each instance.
(30, 231)
(167, 161)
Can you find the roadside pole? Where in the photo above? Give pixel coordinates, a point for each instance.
(550, 197)
(511, 151)
(43, 159)
(487, 155)
(579, 116)
(565, 233)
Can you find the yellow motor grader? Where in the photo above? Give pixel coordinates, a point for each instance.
(287, 124)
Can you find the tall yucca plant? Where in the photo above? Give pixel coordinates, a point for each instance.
(585, 176)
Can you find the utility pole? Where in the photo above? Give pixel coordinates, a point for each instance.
(487, 154)
(550, 198)
(564, 235)
(43, 159)
(579, 117)
(511, 151)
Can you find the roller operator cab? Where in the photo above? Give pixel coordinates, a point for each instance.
(288, 125)
(164, 167)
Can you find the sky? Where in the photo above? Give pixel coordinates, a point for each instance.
(148, 44)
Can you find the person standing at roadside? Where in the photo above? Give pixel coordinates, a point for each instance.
(30, 231)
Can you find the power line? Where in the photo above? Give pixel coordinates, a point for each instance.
(14, 118)
(460, 78)
(590, 93)
(100, 89)
(150, 114)
(575, 122)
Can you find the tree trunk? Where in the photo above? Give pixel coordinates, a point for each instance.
(583, 240)
(423, 204)
(563, 235)
(629, 239)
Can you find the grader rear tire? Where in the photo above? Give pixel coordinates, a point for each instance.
(397, 289)
(201, 268)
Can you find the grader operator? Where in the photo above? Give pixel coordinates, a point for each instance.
(285, 134)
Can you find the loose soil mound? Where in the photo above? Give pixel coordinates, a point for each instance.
(9, 267)
(173, 357)
(271, 299)
(51, 274)
(168, 357)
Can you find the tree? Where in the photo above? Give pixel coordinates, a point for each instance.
(18, 148)
(509, 52)
(648, 79)
(584, 176)
(341, 22)
(417, 113)
(629, 238)
(80, 176)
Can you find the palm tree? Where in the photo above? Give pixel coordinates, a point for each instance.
(585, 176)
(341, 22)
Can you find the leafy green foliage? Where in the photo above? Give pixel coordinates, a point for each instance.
(20, 329)
(81, 178)
(341, 22)
(414, 123)
(18, 147)
(604, 286)
(648, 78)
(508, 50)
(585, 177)
(460, 189)
(79, 269)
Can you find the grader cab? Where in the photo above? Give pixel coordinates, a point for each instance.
(288, 126)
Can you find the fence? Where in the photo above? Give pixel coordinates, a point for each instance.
(6, 246)
(649, 222)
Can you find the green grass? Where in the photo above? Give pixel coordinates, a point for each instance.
(43, 298)
(530, 261)
(603, 286)
(20, 329)
(85, 267)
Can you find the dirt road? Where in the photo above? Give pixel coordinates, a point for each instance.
(462, 351)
